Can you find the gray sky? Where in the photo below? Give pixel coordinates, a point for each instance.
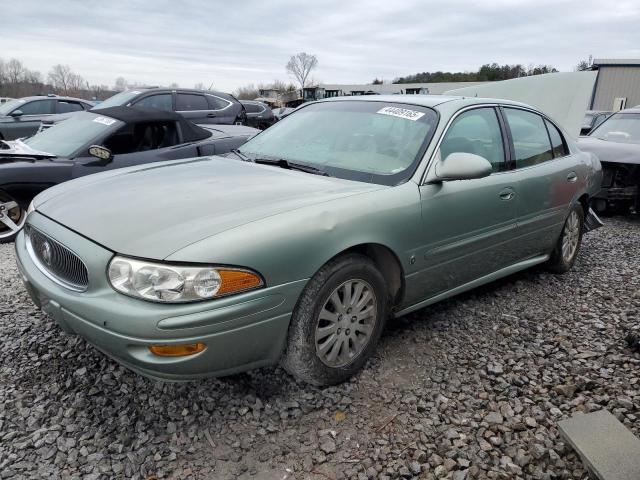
(249, 41)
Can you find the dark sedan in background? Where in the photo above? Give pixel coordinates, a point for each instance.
(259, 115)
(616, 142)
(197, 106)
(23, 117)
(97, 141)
(592, 119)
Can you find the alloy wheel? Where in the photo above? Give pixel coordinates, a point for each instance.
(345, 323)
(12, 216)
(570, 237)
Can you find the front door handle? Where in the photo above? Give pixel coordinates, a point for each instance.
(572, 177)
(211, 115)
(507, 194)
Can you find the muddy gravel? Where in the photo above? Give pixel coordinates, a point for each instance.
(470, 388)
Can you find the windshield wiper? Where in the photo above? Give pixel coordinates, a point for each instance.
(282, 163)
(241, 155)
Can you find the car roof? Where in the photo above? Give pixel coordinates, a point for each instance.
(177, 89)
(431, 101)
(53, 97)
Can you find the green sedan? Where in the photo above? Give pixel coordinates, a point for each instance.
(301, 245)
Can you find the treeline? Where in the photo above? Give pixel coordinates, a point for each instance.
(486, 73)
(251, 91)
(16, 80)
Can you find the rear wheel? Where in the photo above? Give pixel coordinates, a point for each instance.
(337, 322)
(564, 254)
(12, 217)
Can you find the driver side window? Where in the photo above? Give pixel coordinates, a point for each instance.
(476, 131)
(142, 137)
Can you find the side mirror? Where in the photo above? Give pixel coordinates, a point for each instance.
(462, 166)
(100, 152)
(16, 113)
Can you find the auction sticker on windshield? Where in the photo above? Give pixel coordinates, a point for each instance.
(401, 113)
(104, 120)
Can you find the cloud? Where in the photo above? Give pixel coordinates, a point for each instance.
(231, 44)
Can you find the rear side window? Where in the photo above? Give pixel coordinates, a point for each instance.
(38, 107)
(557, 142)
(216, 103)
(530, 138)
(476, 131)
(161, 101)
(66, 107)
(188, 102)
(252, 108)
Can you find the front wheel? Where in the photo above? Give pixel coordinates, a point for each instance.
(12, 217)
(337, 322)
(564, 254)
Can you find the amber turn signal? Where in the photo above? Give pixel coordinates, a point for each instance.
(177, 350)
(233, 281)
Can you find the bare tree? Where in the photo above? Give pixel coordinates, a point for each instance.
(248, 92)
(97, 91)
(300, 66)
(120, 85)
(77, 85)
(584, 64)
(174, 85)
(60, 78)
(14, 71)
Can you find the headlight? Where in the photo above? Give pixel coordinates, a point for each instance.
(168, 283)
(31, 208)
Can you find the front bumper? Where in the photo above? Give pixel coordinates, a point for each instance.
(241, 332)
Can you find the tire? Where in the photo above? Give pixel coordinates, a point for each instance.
(12, 217)
(566, 250)
(309, 344)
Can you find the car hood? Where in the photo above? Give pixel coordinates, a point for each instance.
(156, 210)
(613, 152)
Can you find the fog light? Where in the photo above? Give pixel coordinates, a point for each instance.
(177, 350)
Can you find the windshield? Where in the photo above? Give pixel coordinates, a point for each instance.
(80, 131)
(118, 100)
(6, 108)
(621, 127)
(375, 142)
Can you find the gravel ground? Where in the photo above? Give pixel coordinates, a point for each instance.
(469, 388)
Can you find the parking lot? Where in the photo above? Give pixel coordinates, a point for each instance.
(469, 388)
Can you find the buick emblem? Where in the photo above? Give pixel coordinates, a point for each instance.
(45, 251)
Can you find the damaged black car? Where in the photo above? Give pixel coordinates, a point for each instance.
(96, 141)
(616, 142)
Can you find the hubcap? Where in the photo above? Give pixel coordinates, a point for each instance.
(12, 217)
(570, 237)
(345, 323)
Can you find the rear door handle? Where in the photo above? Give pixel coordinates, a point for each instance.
(507, 194)
(572, 177)
(211, 115)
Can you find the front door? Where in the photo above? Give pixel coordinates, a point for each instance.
(468, 225)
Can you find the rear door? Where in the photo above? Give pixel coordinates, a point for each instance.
(221, 110)
(548, 178)
(468, 225)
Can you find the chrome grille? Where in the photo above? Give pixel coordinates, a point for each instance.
(56, 261)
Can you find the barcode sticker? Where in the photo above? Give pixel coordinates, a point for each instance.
(405, 113)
